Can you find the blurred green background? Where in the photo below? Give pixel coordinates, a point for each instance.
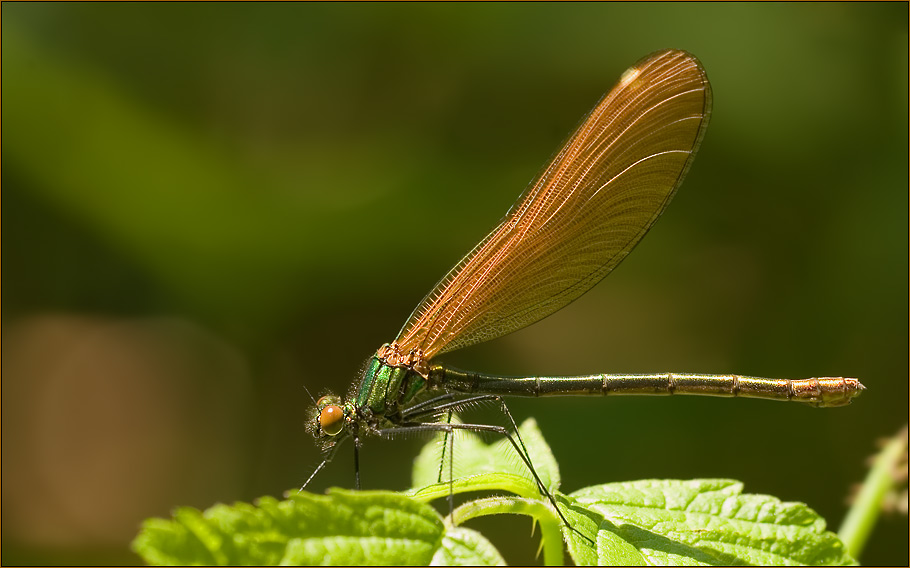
(209, 206)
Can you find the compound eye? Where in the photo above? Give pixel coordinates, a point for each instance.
(331, 419)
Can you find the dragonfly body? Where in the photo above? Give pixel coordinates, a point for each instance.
(824, 391)
(386, 389)
(581, 216)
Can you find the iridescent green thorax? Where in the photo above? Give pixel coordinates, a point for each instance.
(384, 388)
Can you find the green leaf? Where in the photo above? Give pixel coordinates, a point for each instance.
(169, 543)
(704, 522)
(650, 522)
(465, 547)
(343, 527)
(608, 548)
(665, 522)
(480, 482)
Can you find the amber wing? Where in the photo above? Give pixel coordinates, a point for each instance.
(583, 214)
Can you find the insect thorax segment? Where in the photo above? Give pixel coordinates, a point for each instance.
(385, 386)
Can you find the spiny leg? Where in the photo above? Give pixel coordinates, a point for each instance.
(446, 437)
(423, 411)
(445, 446)
(440, 427)
(356, 460)
(329, 455)
(427, 407)
(505, 410)
(432, 407)
(450, 406)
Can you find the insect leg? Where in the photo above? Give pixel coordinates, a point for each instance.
(444, 427)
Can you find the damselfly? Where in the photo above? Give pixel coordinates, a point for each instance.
(576, 221)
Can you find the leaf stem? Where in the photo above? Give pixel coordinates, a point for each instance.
(867, 506)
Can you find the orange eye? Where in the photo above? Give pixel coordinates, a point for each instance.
(331, 419)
